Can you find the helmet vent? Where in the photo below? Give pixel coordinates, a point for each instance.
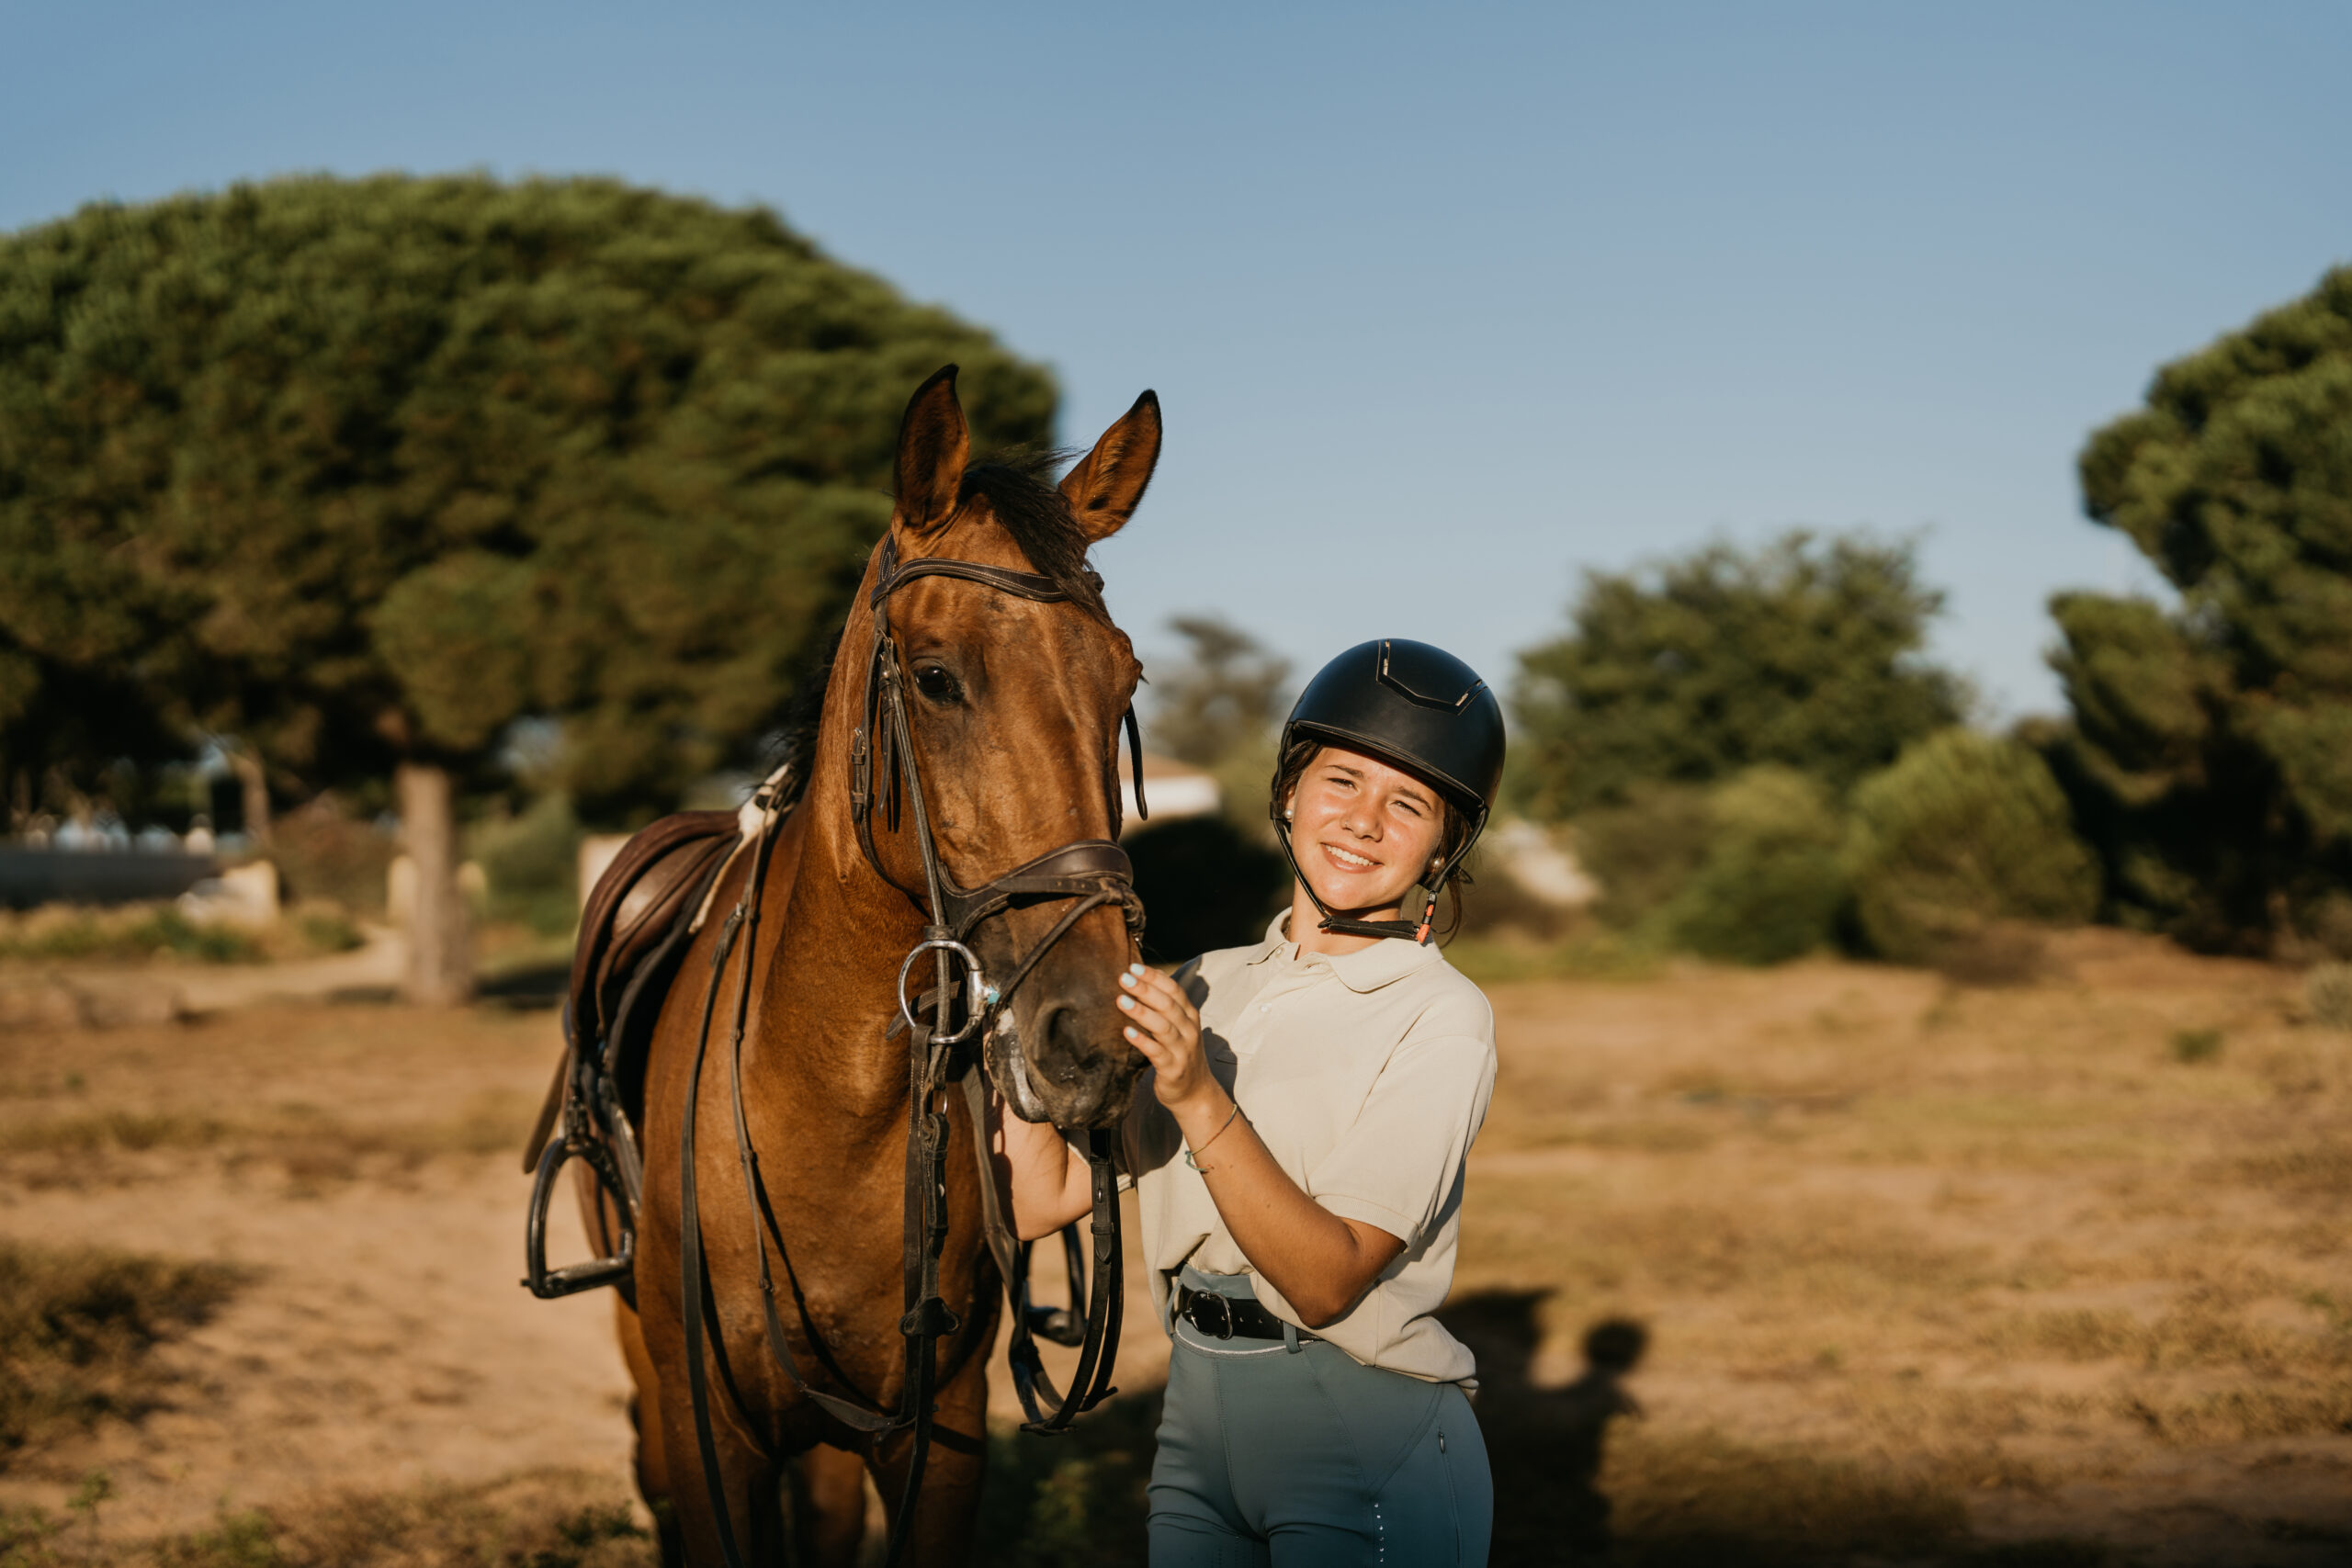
(1394, 678)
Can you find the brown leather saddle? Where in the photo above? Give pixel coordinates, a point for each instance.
(633, 933)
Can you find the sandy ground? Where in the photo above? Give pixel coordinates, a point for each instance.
(383, 1338)
(2003, 1244)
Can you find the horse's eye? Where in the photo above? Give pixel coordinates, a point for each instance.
(936, 682)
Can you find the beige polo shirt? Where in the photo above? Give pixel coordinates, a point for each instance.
(1367, 1076)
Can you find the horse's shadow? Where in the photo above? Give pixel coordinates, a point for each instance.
(1546, 1444)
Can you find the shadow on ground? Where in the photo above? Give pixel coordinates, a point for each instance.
(1579, 1480)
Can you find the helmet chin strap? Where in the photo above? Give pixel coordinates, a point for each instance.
(1341, 923)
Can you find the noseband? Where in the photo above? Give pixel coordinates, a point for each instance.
(1094, 872)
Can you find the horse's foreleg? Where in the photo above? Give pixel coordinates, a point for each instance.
(746, 1480)
(949, 1507)
(829, 1507)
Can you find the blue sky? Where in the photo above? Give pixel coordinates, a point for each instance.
(1444, 304)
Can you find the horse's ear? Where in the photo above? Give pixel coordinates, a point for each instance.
(933, 446)
(1103, 490)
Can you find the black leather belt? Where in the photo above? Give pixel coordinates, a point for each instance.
(1228, 1317)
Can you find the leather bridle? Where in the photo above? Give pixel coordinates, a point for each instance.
(1093, 870)
(945, 1028)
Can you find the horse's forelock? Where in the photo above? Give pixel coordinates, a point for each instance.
(1018, 486)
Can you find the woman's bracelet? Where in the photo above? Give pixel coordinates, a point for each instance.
(1213, 1137)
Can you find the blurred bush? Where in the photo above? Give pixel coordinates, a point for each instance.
(1642, 851)
(532, 862)
(127, 933)
(1964, 831)
(1204, 884)
(1806, 651)
(327, 851)
(1769, 884)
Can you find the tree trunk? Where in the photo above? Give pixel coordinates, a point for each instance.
(440, 935)
(256, 789)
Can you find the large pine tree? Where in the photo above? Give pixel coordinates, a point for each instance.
(2210, 755)
(361, 472)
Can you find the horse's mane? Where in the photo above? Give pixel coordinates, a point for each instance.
(1018, 486)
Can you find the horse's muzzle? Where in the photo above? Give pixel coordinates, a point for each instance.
(1069, 1064)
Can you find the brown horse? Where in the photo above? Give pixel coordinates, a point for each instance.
(1014, 706)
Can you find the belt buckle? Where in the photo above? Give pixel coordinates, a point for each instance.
(1225, 1330)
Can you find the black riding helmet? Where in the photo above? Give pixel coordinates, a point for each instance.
(1421, 709)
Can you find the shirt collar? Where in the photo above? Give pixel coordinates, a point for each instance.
(1386, 960)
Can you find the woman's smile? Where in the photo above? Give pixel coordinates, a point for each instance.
(1349, 860)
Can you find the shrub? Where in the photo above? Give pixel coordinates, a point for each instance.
(129, 932)
(1768, 885)
(533, 864)
(325, 851)
(1963, 830)
(1642, 852)
(1204, 884)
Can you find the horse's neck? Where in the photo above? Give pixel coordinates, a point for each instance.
(831, 968)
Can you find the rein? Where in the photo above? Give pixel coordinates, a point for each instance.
(1093, 872)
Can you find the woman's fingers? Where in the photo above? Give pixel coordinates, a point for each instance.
(1151, 996)
(1158, 988)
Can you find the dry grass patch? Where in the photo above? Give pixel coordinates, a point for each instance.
(2318, 1164)
(2185, 1336)
(1701, 1499)
(537, 1520)
(1583, 1241)
(308, 1144)
(75, 1330)
(2296, 1408)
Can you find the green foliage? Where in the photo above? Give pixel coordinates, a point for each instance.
(2210, 757)
(1225, 698)
(365, 469)
(1769, 885)
(533, 864)
(1204, 884)
(1804, 653)
(131, 933)
(1962, 832)
(326, 851)
(1642, 851)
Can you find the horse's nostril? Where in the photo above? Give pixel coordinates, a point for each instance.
(1065, 1043)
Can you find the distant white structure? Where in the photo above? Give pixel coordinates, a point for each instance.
(241, 895)
(1540, 867)
(1172, 789)
(597, 851)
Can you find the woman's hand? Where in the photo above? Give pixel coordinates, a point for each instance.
(1165, 1026)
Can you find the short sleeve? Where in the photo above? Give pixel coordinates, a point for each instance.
(1400, 1163)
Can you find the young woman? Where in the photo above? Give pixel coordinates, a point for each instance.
(1297, 1150)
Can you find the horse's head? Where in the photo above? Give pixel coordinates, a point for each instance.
(1014, 707)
